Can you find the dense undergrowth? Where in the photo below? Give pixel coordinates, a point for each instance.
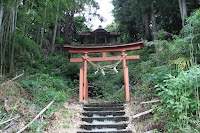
(53, 78)
(179, 96)
(172, 74)
(50, 78)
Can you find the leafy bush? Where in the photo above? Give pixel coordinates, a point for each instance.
(43, 88)
(57, 65)
(180, 101)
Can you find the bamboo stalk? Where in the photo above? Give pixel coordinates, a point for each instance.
(21, 130)
(1, 40)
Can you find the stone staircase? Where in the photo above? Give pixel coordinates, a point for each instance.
(104, 118)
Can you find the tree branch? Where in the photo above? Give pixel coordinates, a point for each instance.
(143, 113)
(152, 101)
(9, 120)
(18, 76)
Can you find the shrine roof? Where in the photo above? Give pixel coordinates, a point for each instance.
(99, 29)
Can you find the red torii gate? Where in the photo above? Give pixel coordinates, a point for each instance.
(85, 50)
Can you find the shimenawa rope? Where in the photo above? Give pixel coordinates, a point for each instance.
(106, 67)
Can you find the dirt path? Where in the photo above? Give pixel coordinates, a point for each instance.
(66, 120)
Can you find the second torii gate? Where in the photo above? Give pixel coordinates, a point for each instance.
(85, 50)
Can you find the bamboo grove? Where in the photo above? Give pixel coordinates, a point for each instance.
(35, 28)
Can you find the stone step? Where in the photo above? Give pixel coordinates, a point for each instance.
(95, 114)
(103, 109)
(105, 119)
(105, 105)
(119, 131)
(107, 127)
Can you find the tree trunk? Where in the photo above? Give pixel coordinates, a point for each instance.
(6, 25)
(146, 25)
(153, 19)
(183, 10)
(1, 16)
(14, 23)
(55, 30)
(1, 40)
(69, 26)
(59, 29)
(43, 25)
(10, 38)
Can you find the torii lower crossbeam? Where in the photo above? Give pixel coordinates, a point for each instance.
(123, 48)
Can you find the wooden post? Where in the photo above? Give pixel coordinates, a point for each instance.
(127, 93)
(86, 96)
(126, 78)
(85, 77)
(104, 54)
(81, 85)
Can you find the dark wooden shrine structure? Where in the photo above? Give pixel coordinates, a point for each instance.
(99, 36)
(85, 50)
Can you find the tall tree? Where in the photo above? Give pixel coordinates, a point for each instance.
(1, 35)
(183, 10)
(29, 28)
(145, 18)
(153, 20)
(44, 18)
(141, 15)
(14, 13)
(1, 15)
(55, 27)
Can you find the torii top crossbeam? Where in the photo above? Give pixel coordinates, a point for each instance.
(85, 50)
(100, 49)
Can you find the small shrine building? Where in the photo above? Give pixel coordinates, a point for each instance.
(100, 36)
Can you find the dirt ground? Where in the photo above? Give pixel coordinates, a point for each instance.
(141, 124)
(66, 120)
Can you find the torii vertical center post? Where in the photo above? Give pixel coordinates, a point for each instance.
(85, 50)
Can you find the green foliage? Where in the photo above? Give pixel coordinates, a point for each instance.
(27, 44)
(191, 30)
(172, 67)
(161, 34)
(135, 16)
(33, 28)
(37, 126)
(113, 27)
(180, 101)
(191, 35)
(43, 88)
(80, 25)
(55, 65)
(107, 87)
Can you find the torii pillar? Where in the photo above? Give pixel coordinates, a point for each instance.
(85, 50)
